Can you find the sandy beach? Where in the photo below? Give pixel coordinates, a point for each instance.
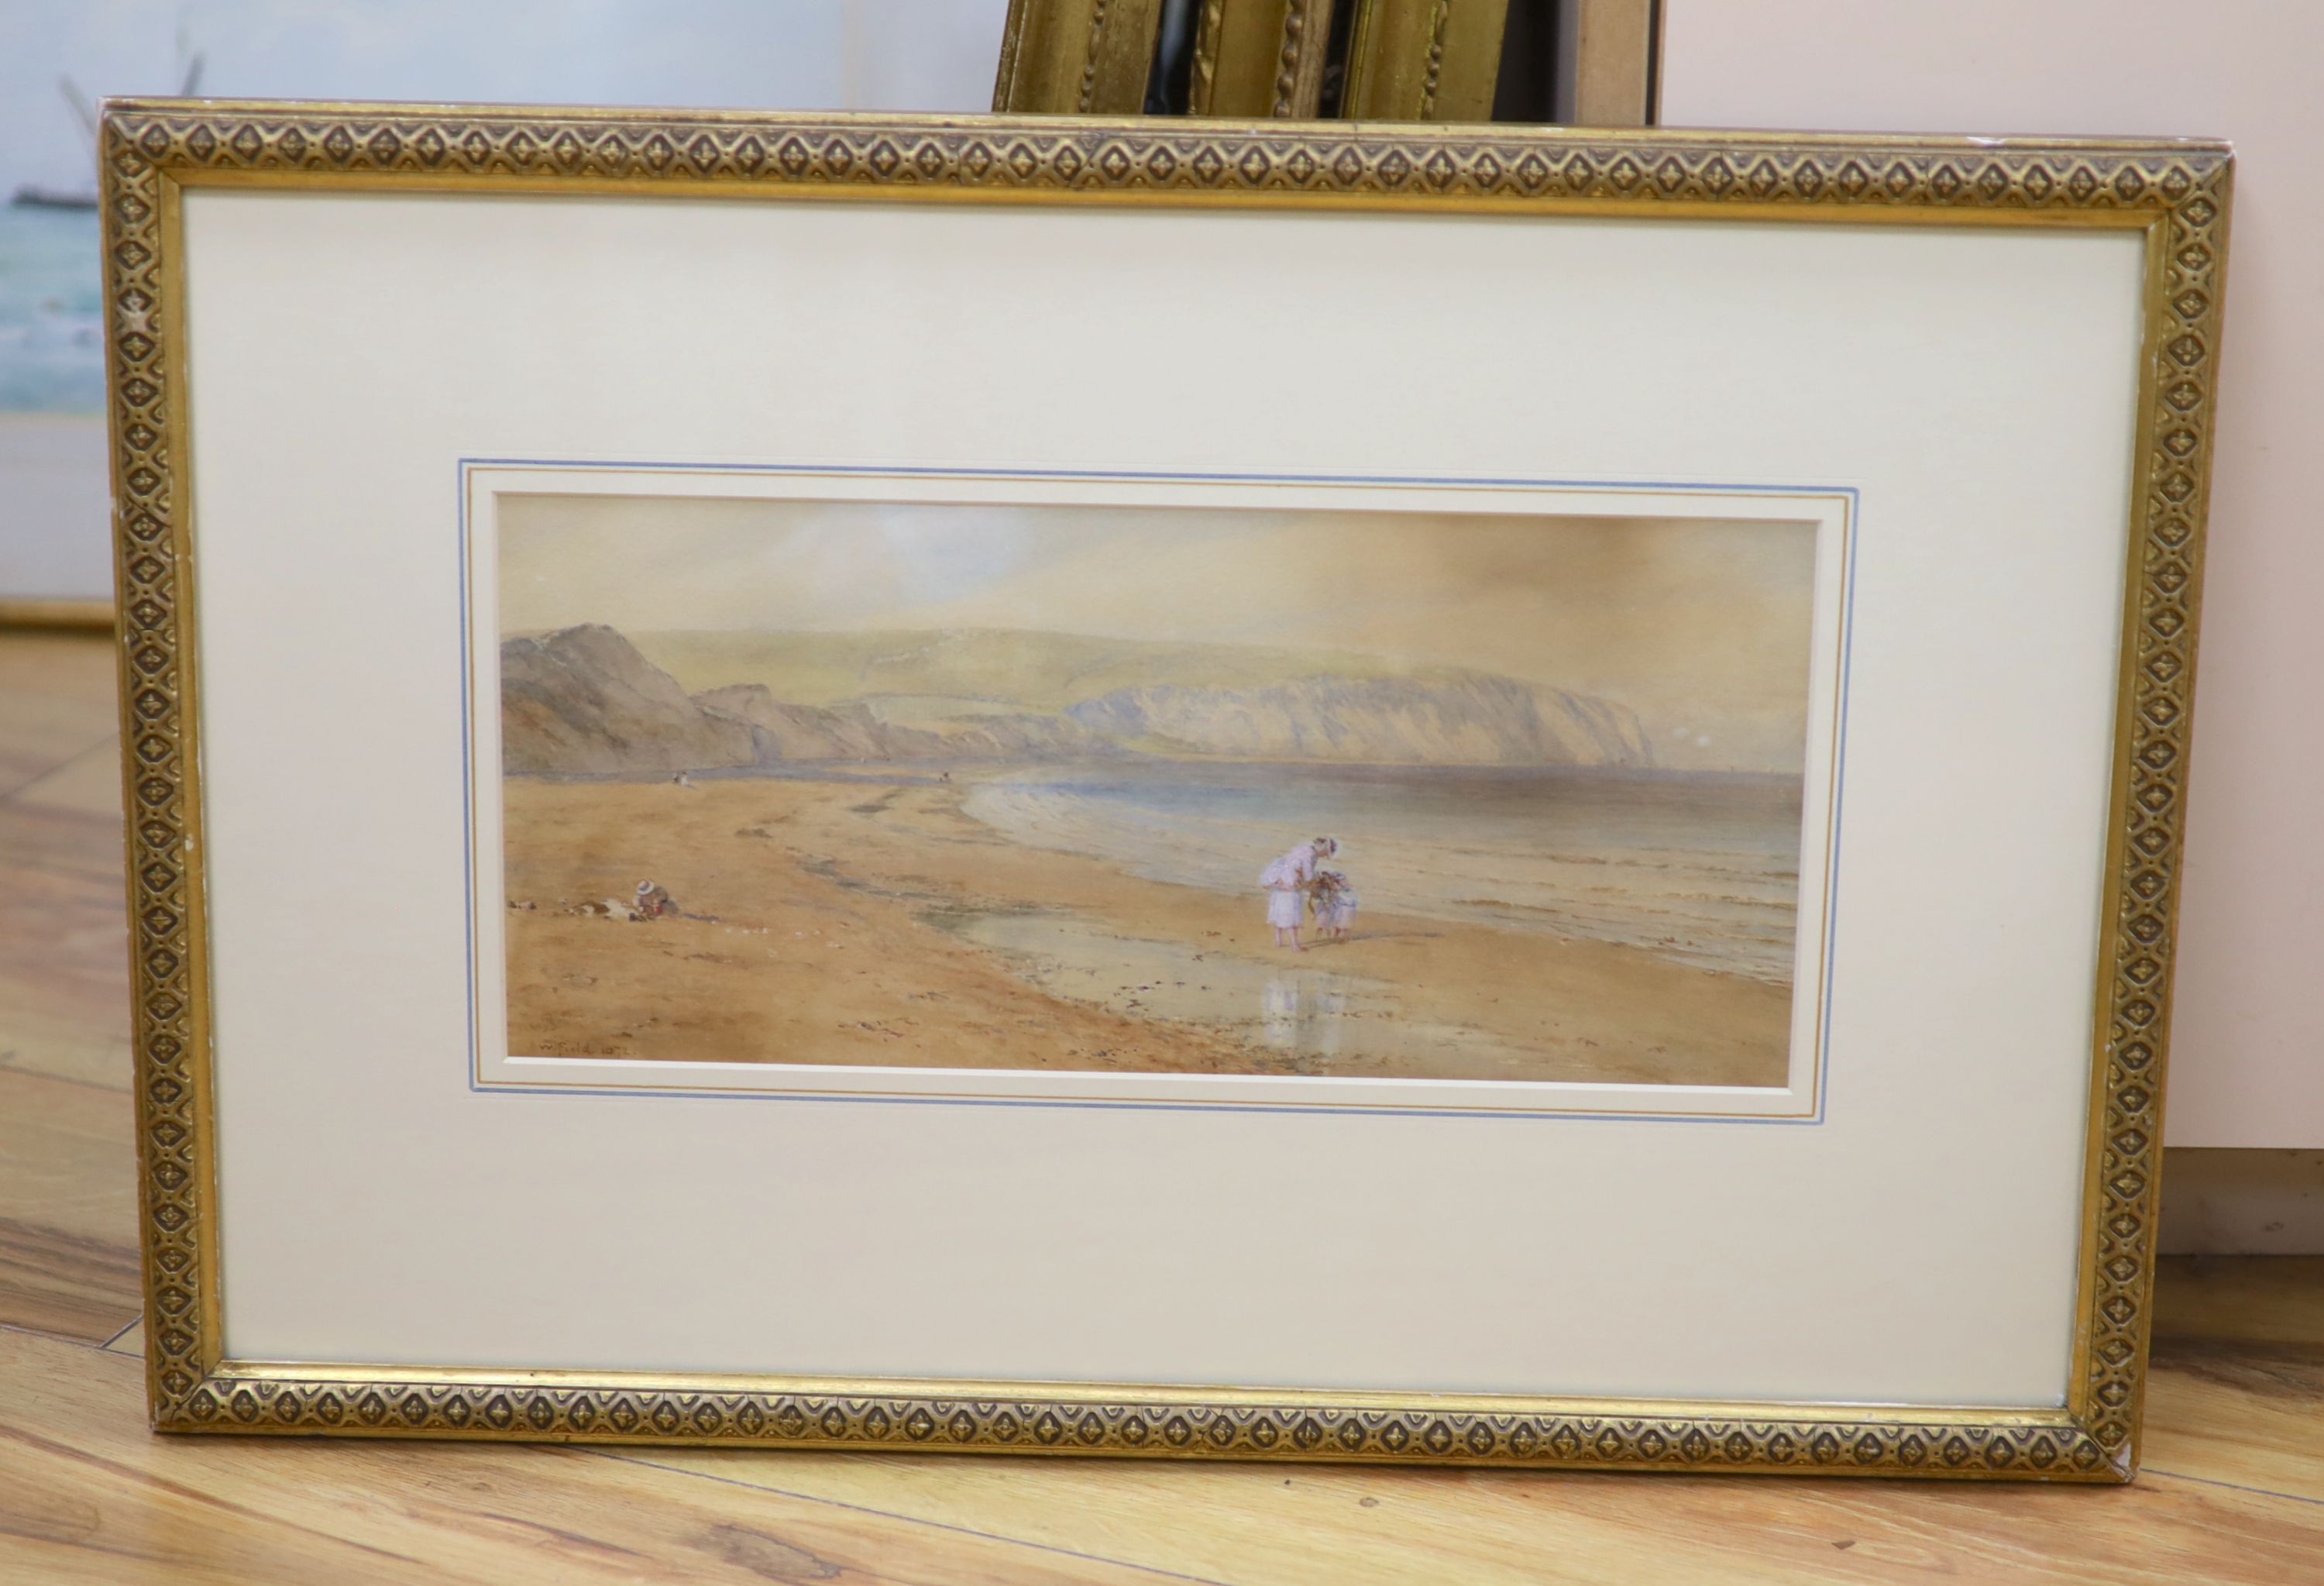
(868, 918)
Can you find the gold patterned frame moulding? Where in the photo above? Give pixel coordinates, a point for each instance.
(2175, 194)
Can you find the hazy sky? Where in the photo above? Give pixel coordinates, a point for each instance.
(780, 54)
(1700, 625)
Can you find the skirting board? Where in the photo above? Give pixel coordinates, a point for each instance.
(56, 614)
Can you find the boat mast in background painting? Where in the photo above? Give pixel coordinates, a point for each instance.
(32, 195)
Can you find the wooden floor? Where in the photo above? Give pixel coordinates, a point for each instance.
(2234, 1487)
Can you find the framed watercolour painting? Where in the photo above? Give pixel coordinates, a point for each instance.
(1085, 786)
(1070, 782)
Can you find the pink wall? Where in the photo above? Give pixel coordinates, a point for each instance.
(2246, 1069)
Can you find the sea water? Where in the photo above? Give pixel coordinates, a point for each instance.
(1703, 869)
(51, 312)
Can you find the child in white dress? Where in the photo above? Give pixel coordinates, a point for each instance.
(1335, 905)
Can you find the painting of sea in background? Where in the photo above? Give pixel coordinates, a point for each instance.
(58, 60)
(52, 311)
(926, 785)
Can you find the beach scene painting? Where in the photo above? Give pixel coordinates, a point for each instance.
(1151, 789)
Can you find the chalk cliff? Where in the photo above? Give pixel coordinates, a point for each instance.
(1463, 719)
(583, 699)
(863, 730)
(784, 731)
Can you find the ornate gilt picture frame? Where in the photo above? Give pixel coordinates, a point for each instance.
(2173, 197)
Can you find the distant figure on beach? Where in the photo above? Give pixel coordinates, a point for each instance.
(1335, 905)
(654, 901)
(1287, 879)
(683, 779)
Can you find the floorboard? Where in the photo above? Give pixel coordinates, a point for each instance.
(88, 1494)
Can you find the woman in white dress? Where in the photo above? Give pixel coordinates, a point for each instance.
(1286, 880)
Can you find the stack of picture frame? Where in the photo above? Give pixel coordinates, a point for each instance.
(1273, 60)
